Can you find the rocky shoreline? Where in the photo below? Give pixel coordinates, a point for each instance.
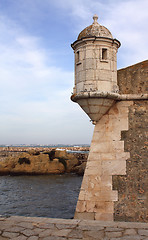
(39, 161)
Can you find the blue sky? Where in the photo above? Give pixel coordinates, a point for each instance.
(37, 63)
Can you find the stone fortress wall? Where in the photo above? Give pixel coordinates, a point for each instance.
(114, 186)
(132, 204)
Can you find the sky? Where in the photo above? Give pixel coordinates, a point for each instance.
(37, 64)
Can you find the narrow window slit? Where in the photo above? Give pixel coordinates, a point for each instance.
(77, 56)
(104, 54)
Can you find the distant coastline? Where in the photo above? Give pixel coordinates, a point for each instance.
(25, 148)
(46, 145)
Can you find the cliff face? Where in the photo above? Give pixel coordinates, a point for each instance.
(36, 162)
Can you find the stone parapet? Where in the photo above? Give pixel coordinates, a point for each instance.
(35, 228)
(133, 79)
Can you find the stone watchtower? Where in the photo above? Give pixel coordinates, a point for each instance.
(112, 105)
(95, 69)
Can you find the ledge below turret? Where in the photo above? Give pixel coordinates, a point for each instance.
(97, 104)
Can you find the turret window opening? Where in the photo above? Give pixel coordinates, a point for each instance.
(104, 54)
(78, 57)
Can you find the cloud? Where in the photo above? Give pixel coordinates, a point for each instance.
(35, 93)
(127, 21)
(25, 63)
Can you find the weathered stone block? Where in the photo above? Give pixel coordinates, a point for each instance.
(89, 53)
(105, 196)
(89, 63)
(45, 233)
(143, 232)
(83, 102)
(113, 234)
(94, 234)
(80, 87)
(114, 167)
(32, 238)
(81, 206)
(20, 237)
(104, 216)
(104, 207)
(103, 85)
(95, 101)
(93, 170)
(61, 232)
(89, 75)
(108, 156)
(94, 109)
(82, 195)
(130, 232)
(103, 65)
(114, 229)
(106, 180)
(85, 215)
(10, 234)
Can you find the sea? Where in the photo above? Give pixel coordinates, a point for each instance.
(52, 196)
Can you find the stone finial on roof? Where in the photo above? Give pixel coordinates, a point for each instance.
(95, 18)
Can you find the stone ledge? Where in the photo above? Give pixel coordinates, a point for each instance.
(109, 95)
(52, 228)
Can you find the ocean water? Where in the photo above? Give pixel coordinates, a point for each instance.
(53, 196)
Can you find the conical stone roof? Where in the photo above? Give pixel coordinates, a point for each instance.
(95, 30)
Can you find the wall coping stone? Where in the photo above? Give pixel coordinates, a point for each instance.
(19, 219)
(110, 95)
